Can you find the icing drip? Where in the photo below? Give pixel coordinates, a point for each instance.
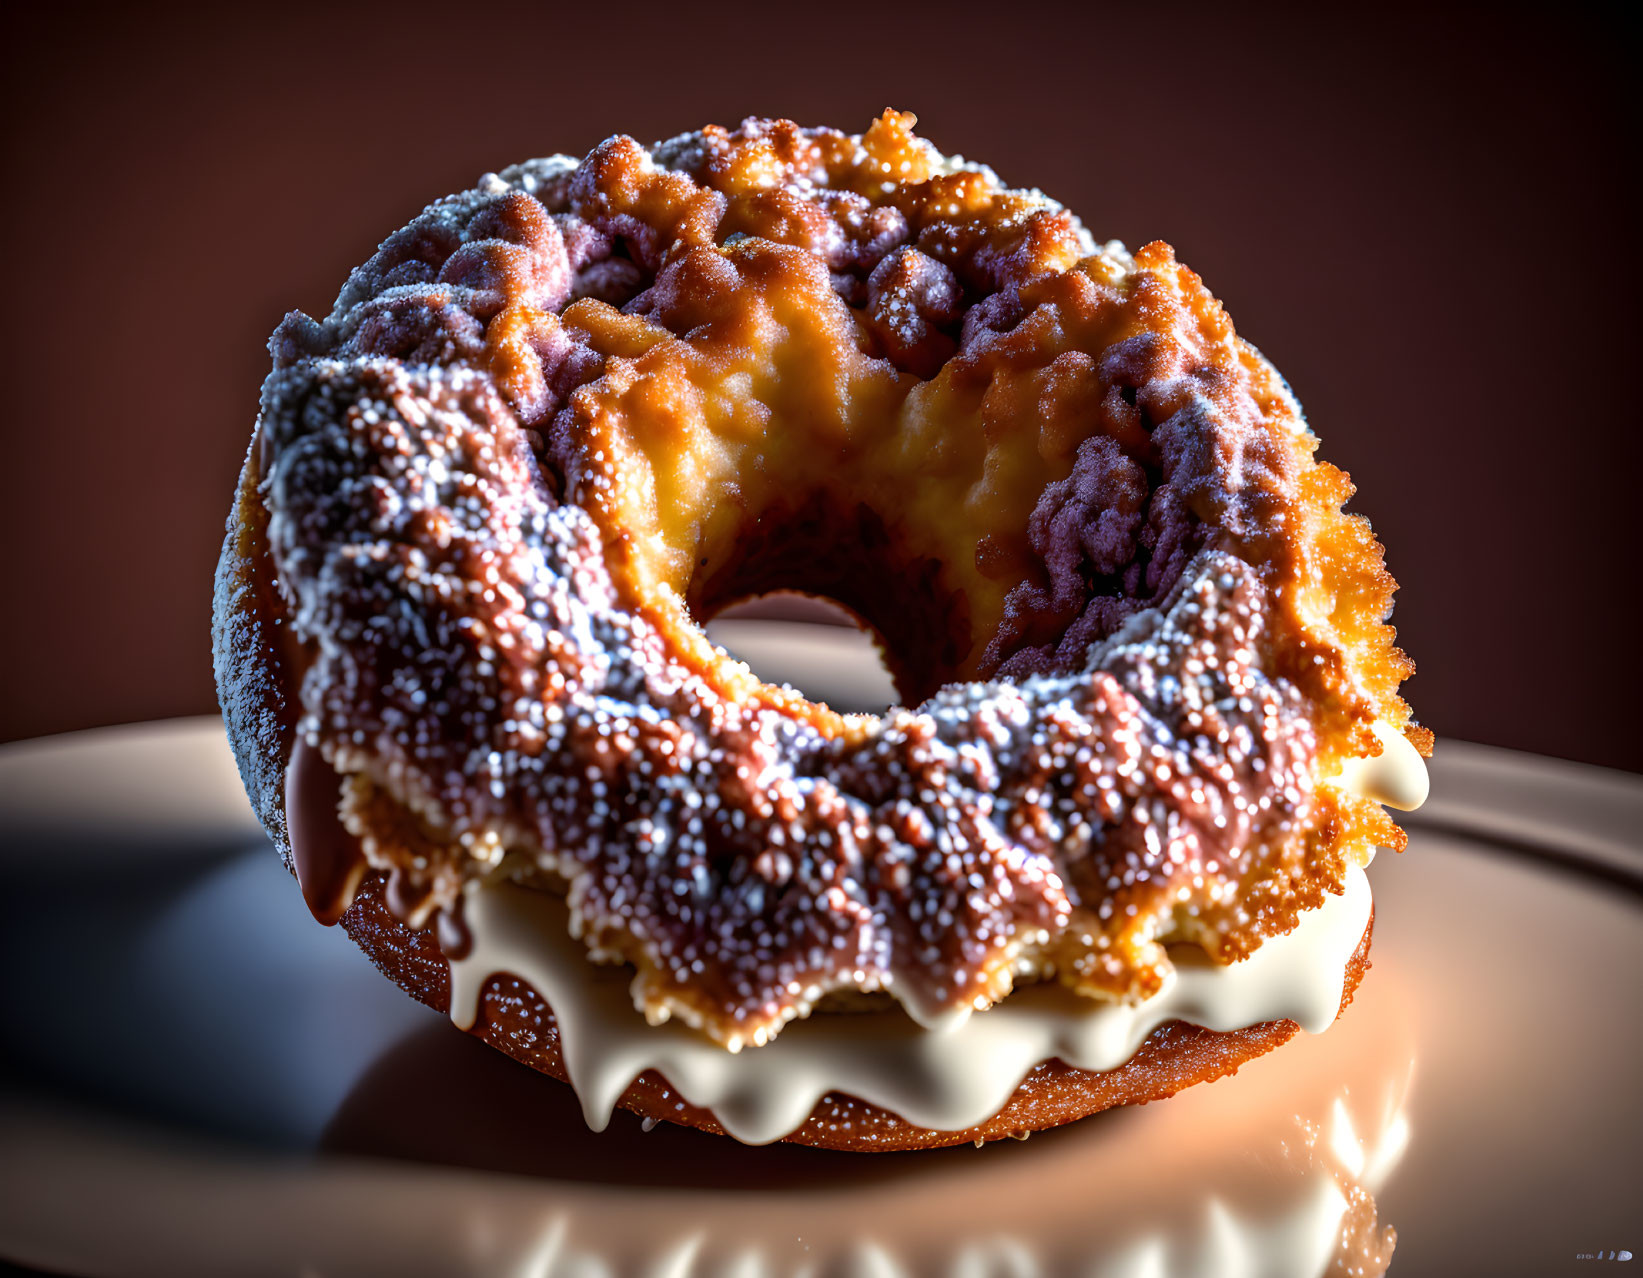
(947, 1079)
(1396, 777)
(326, 858)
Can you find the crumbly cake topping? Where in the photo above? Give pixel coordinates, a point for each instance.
(560, 413)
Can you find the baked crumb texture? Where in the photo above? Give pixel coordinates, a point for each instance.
(562, 417)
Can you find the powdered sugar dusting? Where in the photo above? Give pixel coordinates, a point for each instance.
(497, 695)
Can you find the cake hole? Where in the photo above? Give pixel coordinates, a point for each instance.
(811, 644)
(820, 547)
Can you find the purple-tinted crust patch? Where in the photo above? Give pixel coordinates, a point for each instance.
(1110, 545)
(1114, 537)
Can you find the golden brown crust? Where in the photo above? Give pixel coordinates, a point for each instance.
(514, 1019)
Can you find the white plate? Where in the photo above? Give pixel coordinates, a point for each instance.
(200, 1080)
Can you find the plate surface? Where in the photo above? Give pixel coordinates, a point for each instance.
(198, 1079)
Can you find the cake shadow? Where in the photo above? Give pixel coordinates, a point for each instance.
(442, 1097)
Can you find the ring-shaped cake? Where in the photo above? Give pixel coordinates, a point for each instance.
(560, 420)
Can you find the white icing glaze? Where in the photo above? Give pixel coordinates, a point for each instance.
(948, 1075)
(946, 1080)
(1396, 777)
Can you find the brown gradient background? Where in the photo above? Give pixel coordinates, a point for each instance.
(1429, 223)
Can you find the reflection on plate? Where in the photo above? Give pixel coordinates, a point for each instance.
(199, 1080)
(669, 1202)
